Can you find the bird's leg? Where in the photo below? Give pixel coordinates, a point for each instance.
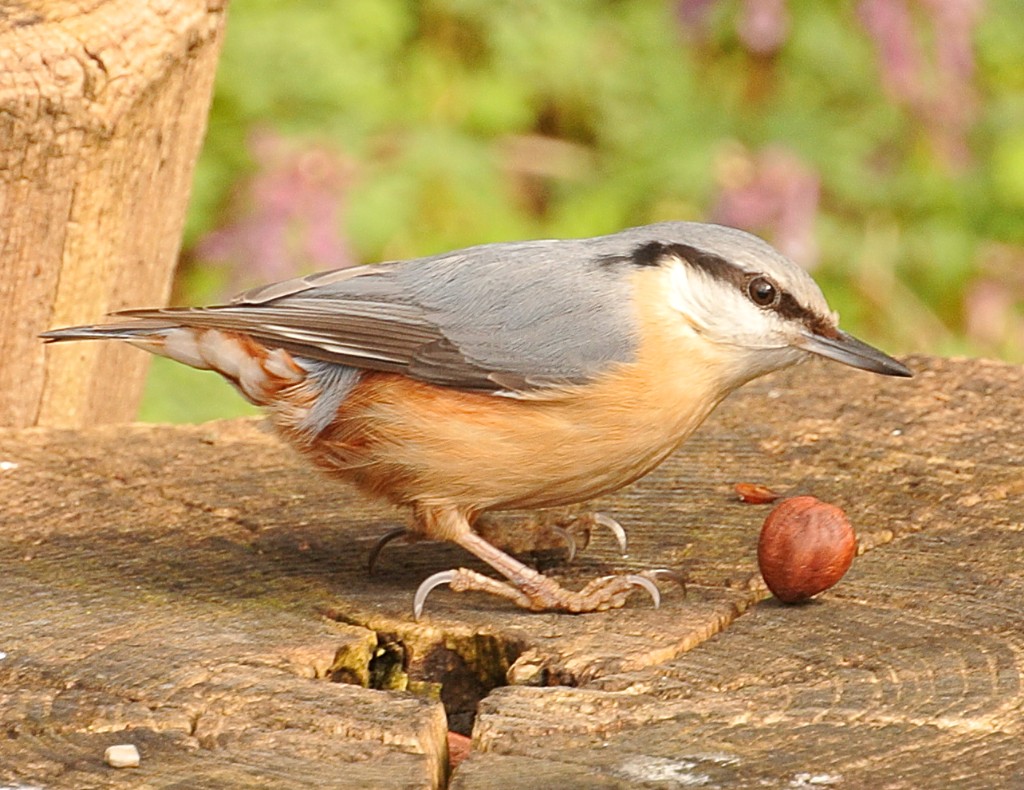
(528, 589)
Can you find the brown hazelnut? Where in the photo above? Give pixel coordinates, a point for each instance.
(806, 546)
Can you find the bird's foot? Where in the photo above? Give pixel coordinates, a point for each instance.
(573, 531)
(585, 523)
(525, 587)
(388, 537)
(540, 593)
(547, 532)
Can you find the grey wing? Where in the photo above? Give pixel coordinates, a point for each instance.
(503, 317)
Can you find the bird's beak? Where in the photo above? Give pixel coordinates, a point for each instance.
(851, 351)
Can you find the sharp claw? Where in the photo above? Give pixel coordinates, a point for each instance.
(666, 573)
(616, 529)
(420, 598)
(647, 584)
(385, 539)
(570, 541)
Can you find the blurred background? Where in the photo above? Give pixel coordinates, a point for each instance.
(878, 143)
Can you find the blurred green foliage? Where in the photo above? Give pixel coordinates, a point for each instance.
(469, 121)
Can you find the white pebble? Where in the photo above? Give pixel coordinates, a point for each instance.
(124, 755)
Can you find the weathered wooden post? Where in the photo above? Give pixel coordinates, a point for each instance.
(103, 107)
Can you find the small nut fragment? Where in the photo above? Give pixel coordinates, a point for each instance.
(459, 748)
(755, 493)
(806, 546)
(123, 755)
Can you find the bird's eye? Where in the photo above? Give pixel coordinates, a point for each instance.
(762, 292)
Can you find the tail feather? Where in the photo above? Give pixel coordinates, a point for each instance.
(121, 330)
(257, 371)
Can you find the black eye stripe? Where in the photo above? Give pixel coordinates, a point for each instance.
(784, 304)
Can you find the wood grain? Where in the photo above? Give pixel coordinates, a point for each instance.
(102, 111)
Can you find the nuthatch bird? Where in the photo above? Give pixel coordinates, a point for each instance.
(506, 376)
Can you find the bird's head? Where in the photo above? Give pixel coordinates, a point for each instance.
(753, 308)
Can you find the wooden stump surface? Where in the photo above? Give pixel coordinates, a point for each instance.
(196, 589)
